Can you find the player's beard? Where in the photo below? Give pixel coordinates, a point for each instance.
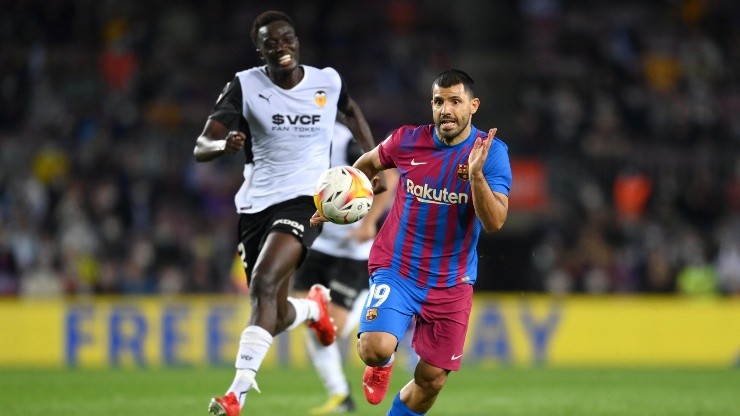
(448, 136)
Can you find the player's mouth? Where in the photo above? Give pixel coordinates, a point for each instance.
(285, 60)
(447, 123)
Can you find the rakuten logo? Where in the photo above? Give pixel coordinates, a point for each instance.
(435, 196)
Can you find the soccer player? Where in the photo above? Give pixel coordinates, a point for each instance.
(338, 260)
(281, 115)
(454, 182)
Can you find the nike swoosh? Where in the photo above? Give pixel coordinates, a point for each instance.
(455, 357)
(415, 163)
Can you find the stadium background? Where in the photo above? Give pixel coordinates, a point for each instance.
(623, 241)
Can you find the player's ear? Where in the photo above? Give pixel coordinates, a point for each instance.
(474, 104)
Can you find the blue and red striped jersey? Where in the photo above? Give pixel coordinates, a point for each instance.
(431, 232)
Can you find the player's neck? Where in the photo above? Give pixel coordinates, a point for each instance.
(288, 79)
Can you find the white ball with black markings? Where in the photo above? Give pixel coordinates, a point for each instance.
(343, 195)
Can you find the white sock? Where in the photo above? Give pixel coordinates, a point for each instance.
(243, 381)
(305, 310)
(253, 346)
(328, 364)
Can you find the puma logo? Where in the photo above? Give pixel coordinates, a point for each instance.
(265, 98)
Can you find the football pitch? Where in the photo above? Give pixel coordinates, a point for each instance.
(474, 391)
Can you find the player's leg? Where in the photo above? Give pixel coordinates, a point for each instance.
(327, 360)
(439, 340)
(289, 237)
(419, 394)
(278, 259)
(269, 281)
(273, 244)
(345, 279)
(390, 305)
(252, 229)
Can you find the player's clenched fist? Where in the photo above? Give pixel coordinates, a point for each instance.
(234, 142)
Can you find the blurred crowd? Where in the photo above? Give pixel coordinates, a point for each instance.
(631, 106)
(635, 107)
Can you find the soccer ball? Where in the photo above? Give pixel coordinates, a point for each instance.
(343, 195)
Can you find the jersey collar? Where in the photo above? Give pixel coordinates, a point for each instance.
(438, 143)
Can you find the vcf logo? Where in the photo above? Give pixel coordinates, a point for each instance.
(462, 172)
(320, 98)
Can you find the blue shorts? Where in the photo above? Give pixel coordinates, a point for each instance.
(441, 316)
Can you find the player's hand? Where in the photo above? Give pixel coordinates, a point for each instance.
(234, 142)
(317, 219)
(478, 154)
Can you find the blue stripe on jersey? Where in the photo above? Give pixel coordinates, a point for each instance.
(403, 229)
(417, 246)
(443, 217)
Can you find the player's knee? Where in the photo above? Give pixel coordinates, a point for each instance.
(375, 348)
(263, 287)
(431, 380)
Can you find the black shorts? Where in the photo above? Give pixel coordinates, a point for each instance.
(345, 277)
(291, 217)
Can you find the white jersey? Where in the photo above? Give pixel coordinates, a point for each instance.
(333, 239)
(290, 132)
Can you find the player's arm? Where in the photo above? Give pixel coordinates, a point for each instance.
(216, 140)
(355, 120)
(369, 163)
(491, 207)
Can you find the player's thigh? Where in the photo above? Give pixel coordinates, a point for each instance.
(391, 303)
(275, 264)
(252, 231)
(291, 218)
(441, 326)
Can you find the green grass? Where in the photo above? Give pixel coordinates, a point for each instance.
(470, 392)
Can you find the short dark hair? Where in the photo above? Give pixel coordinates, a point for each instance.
(452, 77)
(265, 19)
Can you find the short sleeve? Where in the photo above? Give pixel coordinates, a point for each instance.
(388, 148)
(228, 107)
(498, 167)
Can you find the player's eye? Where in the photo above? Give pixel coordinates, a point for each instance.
(272, 45)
